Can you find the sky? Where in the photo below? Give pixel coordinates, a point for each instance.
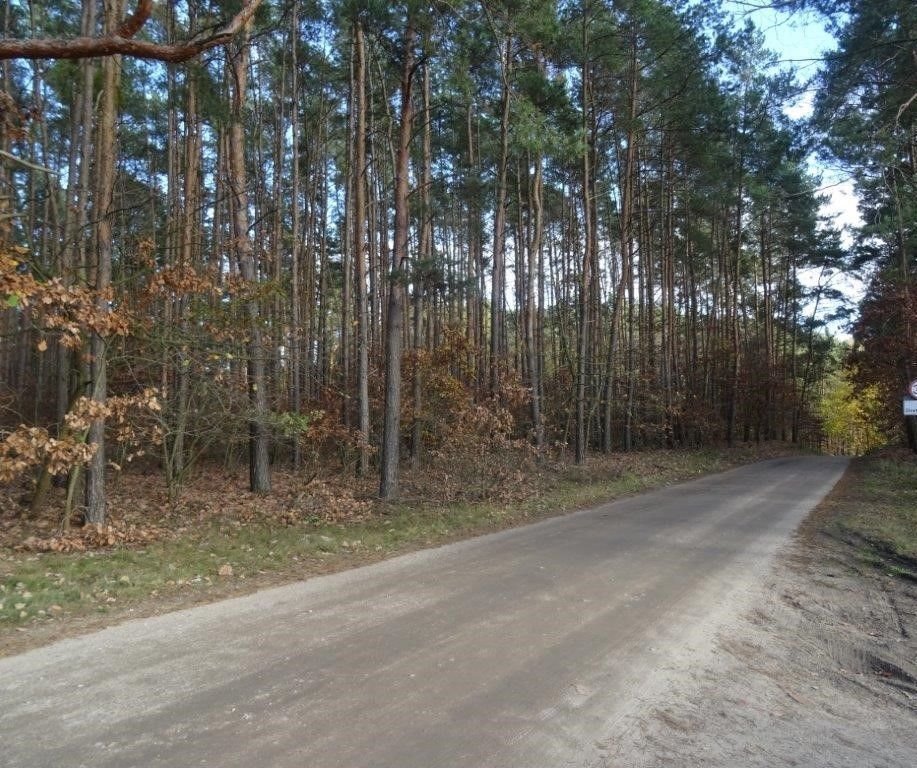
(800, 40)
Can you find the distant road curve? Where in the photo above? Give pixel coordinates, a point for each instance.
(516, 649)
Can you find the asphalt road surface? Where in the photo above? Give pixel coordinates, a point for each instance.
(520, 648)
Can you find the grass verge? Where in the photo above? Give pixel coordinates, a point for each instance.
(44, 596)
(877, 511)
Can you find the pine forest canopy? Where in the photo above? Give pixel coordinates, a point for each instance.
(382, 230)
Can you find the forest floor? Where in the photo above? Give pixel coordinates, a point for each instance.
(219, 540)
(822, 672)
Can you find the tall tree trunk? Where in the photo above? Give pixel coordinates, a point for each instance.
(360, 243)
(584, 327)
(627, 183)
(74, 210)
(189, 212)
(497, 318)
(391, 431)
(106, 152)
(423, 267)
(733, 258)
(295, 343)
(533, 349)
(347, 271)
(475, 312)
(258, 459)
(279, 369)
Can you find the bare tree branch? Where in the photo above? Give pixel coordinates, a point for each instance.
(121, 43)
(132, 24)
(27, 164)
(903, 108)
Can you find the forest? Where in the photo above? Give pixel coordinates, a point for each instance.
(378, 236)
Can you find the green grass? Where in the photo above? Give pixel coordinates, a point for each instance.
(36, 588)
(879, 510)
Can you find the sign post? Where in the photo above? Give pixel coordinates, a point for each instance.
(910, 401)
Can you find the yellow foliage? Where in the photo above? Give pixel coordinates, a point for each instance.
(849, 416)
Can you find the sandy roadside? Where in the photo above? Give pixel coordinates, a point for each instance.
(822, 672)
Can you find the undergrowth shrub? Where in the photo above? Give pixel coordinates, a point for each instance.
(473, 448)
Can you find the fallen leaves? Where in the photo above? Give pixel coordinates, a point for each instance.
(92, 536)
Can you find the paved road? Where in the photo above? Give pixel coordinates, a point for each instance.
(516, 649)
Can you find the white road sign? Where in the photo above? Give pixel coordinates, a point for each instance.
(910, 407)
(912, 389)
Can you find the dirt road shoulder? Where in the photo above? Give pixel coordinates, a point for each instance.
(823, 671)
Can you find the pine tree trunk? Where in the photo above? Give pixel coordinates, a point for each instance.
(360, 244)
(586, 273)
(497, 319)
(296, 301)
(258, 459)
(391, 432)
(426, 257)
(532, 309)
(106, 152)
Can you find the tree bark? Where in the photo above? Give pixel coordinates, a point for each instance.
(582, 361)
(296, 346)
(426, 257)
(391, 433)
(497, 317)
(259, 467)
(532, 309)
(360, 242)
(106, 152)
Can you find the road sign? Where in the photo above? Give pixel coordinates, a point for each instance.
(912, 389)
(910, 407)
